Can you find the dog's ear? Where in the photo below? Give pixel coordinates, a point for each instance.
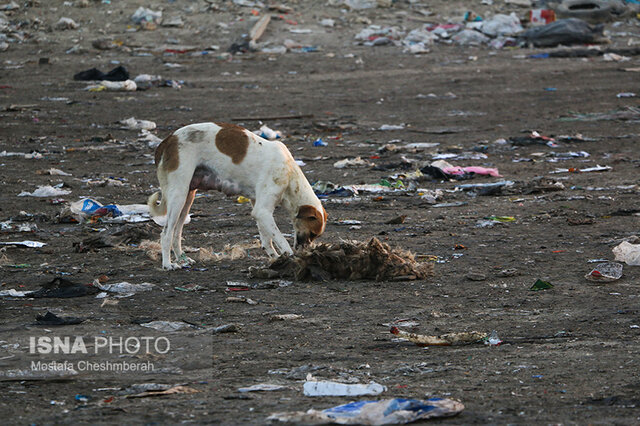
(308, 213)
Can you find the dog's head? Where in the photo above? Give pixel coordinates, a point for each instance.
(309, 224)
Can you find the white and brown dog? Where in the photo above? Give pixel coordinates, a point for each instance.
(233, 160)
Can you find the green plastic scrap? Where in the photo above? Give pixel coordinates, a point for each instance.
(541, 285)
(396, 185)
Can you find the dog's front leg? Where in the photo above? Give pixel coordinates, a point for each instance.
(181, 258)
(269, 233)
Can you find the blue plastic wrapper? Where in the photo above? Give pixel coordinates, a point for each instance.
(385, 412)
(92, 207)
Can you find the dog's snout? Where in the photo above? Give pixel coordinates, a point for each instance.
(303, 240)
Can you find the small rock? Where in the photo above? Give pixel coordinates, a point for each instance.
(476, 276)
(227, 328)
(508, 272)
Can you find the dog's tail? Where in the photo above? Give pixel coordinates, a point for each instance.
(156, 209)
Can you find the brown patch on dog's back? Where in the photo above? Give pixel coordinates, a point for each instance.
(167, 152)
(232, 140)
(313, 218)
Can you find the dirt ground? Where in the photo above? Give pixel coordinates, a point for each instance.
(570, 354)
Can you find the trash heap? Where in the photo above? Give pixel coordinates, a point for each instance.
(373, 260)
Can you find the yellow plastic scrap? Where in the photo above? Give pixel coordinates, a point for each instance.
(242, 200)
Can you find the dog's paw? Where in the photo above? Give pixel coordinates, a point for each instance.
(171, 267)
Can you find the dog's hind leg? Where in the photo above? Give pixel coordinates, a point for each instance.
(181, 258)
(176, 198)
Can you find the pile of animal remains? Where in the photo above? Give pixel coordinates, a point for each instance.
(374, 260)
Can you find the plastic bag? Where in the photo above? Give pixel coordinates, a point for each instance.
(565, 32)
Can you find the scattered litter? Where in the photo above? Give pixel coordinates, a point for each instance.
(605, 272)
(26, 243)
(149, 138)
(352, 162)
(539, 17)
(442, 340)
(351, 261)
(268, 133)
(26, 155)
(593, 11)
(124, 289)
(235, 299)
(493, 339)
(119, 73)
(326, 388)
(627, 253)
(454, 204)
(485, 186)
(52, 319)
(66, 24)
(191, 287)
(167, 326)
(53, 172)
(14, 293)
(541, 285)
(331, 189)
(45, 191)
(502, 25)
(565, 32)
(285, 317)
(144, 16)
(135, 124)
(37, 375)
(171, 391)
(87, 209)
(114, 86)
(62, 288)
(462, 171)
(391, 127)
(470, 38)
(614, 57)
(384, 412)
(597, 168)
(327, 22)
(9, 226)
(263, 387)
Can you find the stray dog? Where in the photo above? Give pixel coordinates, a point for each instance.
(235, 161)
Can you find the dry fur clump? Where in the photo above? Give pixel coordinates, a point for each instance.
(152, 248)
(348, 260)
(229, 252)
